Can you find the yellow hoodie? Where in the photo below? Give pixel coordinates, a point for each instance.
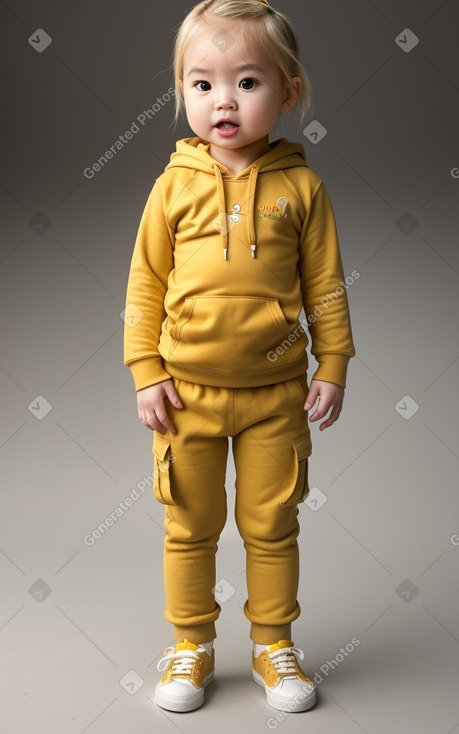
(222, 266)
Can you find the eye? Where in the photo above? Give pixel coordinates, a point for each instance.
(197, 85)
(248, 84)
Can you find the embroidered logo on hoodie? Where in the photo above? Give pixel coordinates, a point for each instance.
(274, 211)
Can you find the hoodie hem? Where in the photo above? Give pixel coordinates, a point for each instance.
(223, 378)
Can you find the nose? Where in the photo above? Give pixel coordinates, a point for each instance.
(224, 100)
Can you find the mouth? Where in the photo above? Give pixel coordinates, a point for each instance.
(226, 125)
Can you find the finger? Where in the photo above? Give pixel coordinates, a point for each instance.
(144, 420)
(312, 397)
(150, 420)
(172, 394)
(321, 411)
(165, 420)
(331, 419)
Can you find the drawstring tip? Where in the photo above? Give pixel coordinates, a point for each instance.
(253, 248)
(225, 253)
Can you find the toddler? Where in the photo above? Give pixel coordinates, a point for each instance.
(238, 234)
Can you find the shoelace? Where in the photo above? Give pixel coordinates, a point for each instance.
(284, 660)
(184, 660)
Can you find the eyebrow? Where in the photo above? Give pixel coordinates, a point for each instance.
(242, 67)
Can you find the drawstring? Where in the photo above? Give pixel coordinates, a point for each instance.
(251, 204)
(251, 235)
(222, 210)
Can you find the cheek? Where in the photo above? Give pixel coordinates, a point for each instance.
(263, 110)
(266, 100)
(192, 109)
(191, 100)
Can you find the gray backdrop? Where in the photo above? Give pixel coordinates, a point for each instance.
(81, 622)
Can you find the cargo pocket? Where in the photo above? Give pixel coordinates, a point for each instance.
(298, 486)
(162, 460)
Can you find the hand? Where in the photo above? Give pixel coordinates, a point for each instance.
(152, 408)
(329, 394)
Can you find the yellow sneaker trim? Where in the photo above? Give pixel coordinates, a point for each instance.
(186, 645)
(280, 644)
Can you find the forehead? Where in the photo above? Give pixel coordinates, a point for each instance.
(221, 44)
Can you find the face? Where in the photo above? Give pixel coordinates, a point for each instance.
(225, 80)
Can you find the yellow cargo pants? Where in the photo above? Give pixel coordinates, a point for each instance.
(271, 444)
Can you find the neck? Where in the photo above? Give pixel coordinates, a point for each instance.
(239, 159)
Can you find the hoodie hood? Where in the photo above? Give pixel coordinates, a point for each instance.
(193, 153)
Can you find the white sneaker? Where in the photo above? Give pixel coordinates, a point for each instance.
(189, 668)
(277, 670)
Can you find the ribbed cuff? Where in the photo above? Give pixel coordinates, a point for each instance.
(332, 368)
(148, 372)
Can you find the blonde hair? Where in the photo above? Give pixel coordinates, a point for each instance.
(269, 29)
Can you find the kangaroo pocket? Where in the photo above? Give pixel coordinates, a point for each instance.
(230, 333)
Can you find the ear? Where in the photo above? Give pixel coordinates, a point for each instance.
(180, 85)
(292, 93)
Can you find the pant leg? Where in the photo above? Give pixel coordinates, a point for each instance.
(271, 460)
(193, 491)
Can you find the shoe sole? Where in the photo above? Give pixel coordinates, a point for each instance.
(182, 704)
(282, 704)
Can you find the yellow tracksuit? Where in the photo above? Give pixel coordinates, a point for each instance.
(221, 268)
